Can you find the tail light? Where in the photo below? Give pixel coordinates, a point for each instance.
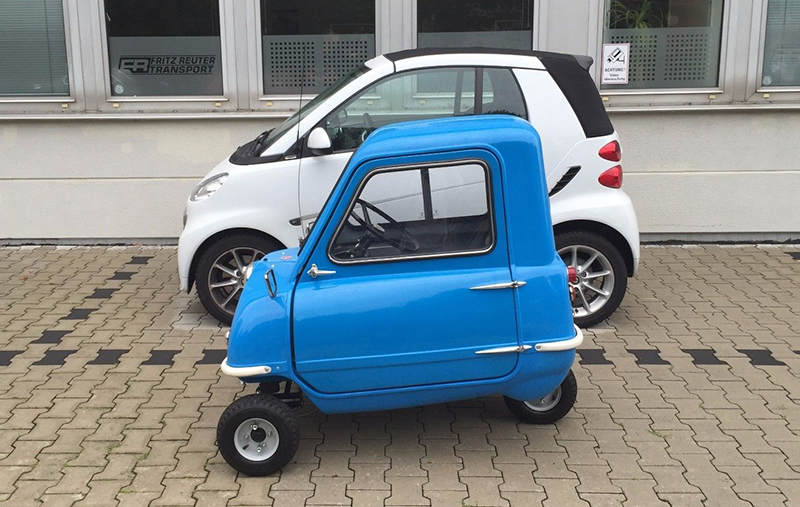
(611, 152)
(572, 274)
(572, 278)
(612, 178)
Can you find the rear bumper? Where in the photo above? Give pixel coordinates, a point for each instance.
(561, 345)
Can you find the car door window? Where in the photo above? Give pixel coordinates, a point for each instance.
(501, 93)
(413, 95)
(421, 211)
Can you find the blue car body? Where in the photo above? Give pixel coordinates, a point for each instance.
(405, 332)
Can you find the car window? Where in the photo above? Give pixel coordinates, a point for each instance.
(421, 211)
(501, 93)
(413, 95)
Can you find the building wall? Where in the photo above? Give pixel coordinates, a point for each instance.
(709, 173)
(700, 164)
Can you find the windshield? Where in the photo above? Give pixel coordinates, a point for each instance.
(292, 121)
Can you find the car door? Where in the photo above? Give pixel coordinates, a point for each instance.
(409, 286)
(411, 95)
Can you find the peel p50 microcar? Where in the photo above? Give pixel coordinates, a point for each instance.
(430, 275)
(270, 191)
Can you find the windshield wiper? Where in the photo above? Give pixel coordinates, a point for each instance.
(256, 147)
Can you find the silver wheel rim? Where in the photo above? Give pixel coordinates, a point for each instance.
(595, 278)
(226, 277)
(256, 439)
(546, 403)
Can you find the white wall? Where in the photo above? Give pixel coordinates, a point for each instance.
(687, 172)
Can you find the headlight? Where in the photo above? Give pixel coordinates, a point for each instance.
(247, 272)
(207, 188)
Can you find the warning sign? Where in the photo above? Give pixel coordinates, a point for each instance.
(615, 63)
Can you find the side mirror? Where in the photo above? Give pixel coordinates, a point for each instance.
(318, 142)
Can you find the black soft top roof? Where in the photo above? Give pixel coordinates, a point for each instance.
(570, 72)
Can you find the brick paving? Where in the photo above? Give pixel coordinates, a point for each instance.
(110, 393)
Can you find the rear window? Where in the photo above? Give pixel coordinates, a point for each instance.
(581, 93)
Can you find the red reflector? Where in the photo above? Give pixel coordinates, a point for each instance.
(611, 178)
(572, 274)
(611, 151)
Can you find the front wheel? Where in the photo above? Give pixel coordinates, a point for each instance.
(549, 409)
(258, 435)
(220, 271)
(602, 275)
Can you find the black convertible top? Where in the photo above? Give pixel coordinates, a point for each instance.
(570, 72)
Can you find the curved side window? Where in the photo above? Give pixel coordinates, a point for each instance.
(422, 211)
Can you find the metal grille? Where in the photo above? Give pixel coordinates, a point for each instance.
(312, 62)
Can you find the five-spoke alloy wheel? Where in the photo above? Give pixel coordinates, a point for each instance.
(220, 271)
(602, 275)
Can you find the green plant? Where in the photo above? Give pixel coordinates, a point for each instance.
(635, 14)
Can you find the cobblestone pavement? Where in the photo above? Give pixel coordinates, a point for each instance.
(110, 393)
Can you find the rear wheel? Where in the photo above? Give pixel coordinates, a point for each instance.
(258, 435)
(602, 275)
(549, 409)
(220, 271)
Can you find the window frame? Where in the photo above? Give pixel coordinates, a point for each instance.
(56, 103)
(489, 185)
(282, 103)
(537, 35)
(756, 92)
(166, 103)
(724, 93)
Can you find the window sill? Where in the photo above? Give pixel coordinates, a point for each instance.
(739, 107)
(37, 100)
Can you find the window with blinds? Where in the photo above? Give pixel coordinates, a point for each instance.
(33, 49)
(782, 44)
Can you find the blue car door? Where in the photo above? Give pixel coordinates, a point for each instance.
(410, 283)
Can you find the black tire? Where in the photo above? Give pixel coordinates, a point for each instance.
(569, 393)
(269, 408)
(210, 254)
(618, 268)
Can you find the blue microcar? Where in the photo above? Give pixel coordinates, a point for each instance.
(429, 276)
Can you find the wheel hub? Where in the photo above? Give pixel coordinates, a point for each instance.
(546, 403)
(256, 439)
(595, 278)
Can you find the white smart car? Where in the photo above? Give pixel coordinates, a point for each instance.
(267, 194)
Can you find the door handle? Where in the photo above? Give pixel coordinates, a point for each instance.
(315, 271)
(495, 286)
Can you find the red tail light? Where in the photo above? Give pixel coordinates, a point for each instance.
(612, 178)
(611, 151)
(572, 274)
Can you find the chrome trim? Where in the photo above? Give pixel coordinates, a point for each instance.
(494, 286)
(560, 345)
(315, 271)
(271, 282)
(407, 167)
(243, 371)
(505, 350)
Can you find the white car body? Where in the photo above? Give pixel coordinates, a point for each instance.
(266, 197)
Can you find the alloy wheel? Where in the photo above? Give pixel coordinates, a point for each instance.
(226, 277)
(595, 278)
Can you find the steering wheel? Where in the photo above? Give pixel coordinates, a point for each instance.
(406, 243)
(368, 126)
